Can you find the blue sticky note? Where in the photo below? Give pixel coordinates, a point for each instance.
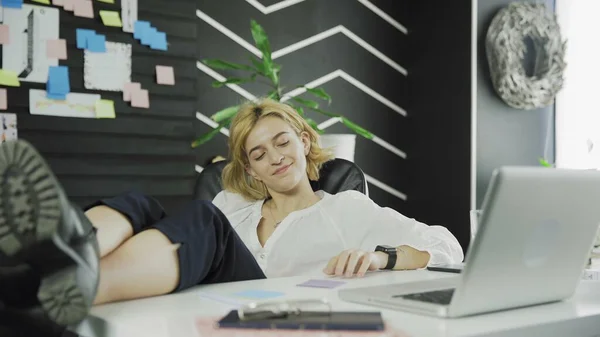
(60, 97)
(97, 44)
(12, 3)
(258, 294)
(149, 36)
(159, 41)
(82, 37)
(58, 80)
(140, 28)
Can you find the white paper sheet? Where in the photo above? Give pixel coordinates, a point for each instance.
(129, 14)
(108, 71)
(30, 28)
(8, 127)
(76, 105)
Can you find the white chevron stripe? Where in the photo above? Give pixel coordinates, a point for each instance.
(384, 16)
(206, 120)
(319, 81)
(340, 73)
(207, 70)
(385, 187)
(273, 8)
(199, 168)
(301, 44)
(366, 3)
(389, 146)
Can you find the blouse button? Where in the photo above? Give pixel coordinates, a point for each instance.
(263, 255)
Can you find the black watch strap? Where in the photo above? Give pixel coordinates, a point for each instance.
(392, 255)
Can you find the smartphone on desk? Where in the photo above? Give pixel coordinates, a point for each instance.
(448, 268)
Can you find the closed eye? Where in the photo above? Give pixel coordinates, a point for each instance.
(284, 144)
(260, 157)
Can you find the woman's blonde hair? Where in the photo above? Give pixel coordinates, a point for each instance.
(235, 177)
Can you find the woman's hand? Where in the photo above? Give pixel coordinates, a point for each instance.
(355, 262)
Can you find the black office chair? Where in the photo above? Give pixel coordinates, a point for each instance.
(336, 175)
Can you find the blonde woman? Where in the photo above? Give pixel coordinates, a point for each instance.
(268, 222)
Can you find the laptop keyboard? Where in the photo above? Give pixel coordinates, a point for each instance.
(437, 297)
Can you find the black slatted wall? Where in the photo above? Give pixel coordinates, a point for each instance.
(142, 149)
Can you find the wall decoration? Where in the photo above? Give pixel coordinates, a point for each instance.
(75, 104)
(108, 71)
(3, 99)
(129, 14)
(30, 28)
(506, 50)
(8, 127)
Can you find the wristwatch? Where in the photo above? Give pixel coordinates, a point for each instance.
(392, 255)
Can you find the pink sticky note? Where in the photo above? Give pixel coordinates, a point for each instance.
(3, 99)
(84, 9)
(56, 49)
(58, 2)
(4, 34)
(129, 89)
(69, 5)
(140, 99)
(165, 75)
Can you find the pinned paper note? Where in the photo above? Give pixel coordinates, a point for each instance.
(9, 78)
(129, 89)
(148, 36)
(105, 108)
(129, 13)
(140, 99)
(96, 43)
(110, 70)
(84, 9)
(108, 1)
(165, 75)
(69, 5)
(58, 2)
(159, 41)
(111, 18)
(57, 49)
(45, 2)
(12, 4)
(82, 37)
(58, 81)
(140, 28)
(259, 294)
(4, 34)
(8, 127)
(75, 105)
(3, 99)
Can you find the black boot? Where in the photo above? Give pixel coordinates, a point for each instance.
(49, 255)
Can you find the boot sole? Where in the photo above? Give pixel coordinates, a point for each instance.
(31, 207)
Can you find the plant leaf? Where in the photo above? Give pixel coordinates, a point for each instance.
(258, 65)
(314, 125)
(306, 102)
(300, 110)
(326, 113)
(233, 80)
(319, 92)
(261, 41)
(225, 114)
(220, 64)
(544, 162)
(206, 137)
(357, 128)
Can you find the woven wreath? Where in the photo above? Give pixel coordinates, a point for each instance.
(506, 51)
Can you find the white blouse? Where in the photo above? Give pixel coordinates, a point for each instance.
(307, 239)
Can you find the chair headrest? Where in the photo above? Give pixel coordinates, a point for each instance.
(336, 175)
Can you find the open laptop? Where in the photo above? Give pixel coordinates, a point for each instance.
(536, 230)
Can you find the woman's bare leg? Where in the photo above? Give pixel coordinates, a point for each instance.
(113, 228)
(145, 265)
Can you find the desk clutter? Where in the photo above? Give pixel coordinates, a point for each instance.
(38, 55)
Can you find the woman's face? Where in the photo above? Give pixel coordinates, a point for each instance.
(276, 154)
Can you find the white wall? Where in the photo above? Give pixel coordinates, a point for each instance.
(577, 108)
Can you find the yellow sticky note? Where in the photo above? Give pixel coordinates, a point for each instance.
(108, 1)
(45, 2)
(111, 18)
(105, 108)
(9, 78)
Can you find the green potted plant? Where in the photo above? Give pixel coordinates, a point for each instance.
(266, 69)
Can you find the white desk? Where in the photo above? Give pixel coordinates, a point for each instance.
(174, 315)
